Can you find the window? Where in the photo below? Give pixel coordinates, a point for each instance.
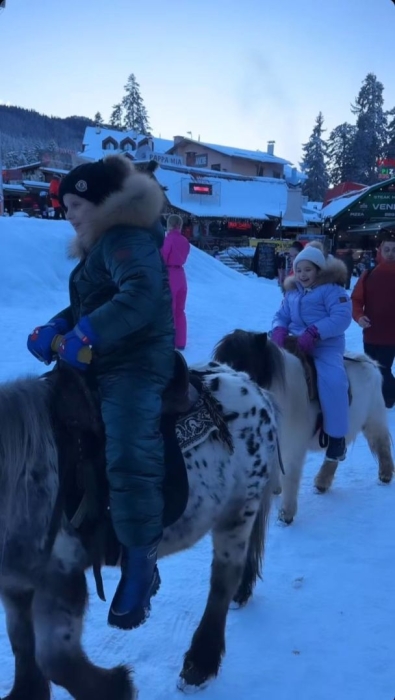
(201, 160)
(260, 170)
(216, 166)
(128, 145)
(190, 157)
(109, 144)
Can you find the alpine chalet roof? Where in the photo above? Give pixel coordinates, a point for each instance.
(235, 197)
(259, 156)
(93, 141)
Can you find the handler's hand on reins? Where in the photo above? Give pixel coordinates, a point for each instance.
(84, 355)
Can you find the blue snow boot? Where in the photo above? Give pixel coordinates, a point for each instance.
(139, 582)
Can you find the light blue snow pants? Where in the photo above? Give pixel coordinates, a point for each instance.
(332, 385)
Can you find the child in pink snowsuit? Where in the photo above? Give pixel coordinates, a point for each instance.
(175, 251)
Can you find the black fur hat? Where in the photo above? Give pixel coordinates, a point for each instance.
(95, 181)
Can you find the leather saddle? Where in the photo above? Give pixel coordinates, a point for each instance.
(180, 395)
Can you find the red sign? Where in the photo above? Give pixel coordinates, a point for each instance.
(200, 189)
(239, 225)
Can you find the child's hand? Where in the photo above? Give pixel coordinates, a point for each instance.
(364, 322)
(307, 340)
(279, 335)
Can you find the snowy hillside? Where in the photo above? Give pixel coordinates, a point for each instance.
(321, 624)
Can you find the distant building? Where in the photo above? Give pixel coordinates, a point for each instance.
(357, 217)
(219, 190)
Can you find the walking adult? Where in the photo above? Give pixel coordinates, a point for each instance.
(374, 311)
(175, 251)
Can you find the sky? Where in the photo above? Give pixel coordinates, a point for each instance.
(234, 73)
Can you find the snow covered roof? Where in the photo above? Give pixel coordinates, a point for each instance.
(26, 166)
(56, 171)
(36, 183)
(337, 205)
(93, 142)
(14, 188)
(312, 212)
(232, 197)
(314, 205)
(259, 156)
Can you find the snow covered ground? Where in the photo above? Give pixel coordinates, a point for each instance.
(321, 624)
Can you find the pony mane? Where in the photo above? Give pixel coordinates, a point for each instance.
(254, 353)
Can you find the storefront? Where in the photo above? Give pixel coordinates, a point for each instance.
(355, 221)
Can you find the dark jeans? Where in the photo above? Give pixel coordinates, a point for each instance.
(384, 355)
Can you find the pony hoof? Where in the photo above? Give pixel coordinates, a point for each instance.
(320, 488)
(277, 491)
(385, 478)
(284, 518)
(191, 689)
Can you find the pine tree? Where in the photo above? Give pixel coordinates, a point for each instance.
(11, 159)
(136, 116)
(98, 119)
(390, 147)
(116, 118)
(52, 146)
(340, 154)
(371, 134)
(313, 163)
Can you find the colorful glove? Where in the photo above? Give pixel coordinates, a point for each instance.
(39, 341)
(306, 342)
(278, 336)
(80, 337)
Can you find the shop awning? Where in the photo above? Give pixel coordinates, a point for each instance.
(371, 229)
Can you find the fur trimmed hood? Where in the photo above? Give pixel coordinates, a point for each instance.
(335, 272)
(137, 203)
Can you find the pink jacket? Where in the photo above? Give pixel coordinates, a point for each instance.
(175, 249)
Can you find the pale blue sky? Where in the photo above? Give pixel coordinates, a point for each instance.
(236, 73)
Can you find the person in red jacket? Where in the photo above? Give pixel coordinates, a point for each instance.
(54, 186)
(175, 251)
(374, 311)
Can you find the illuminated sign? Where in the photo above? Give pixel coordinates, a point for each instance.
(200, 189)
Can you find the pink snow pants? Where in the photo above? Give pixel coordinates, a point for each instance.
(178, 286)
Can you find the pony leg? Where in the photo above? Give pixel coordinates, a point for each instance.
(29, 682)
(324, 478)
(230, 538)
(293, 466)
(59, 607)
(378, 436)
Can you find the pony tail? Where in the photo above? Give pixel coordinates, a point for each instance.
(29, 478)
